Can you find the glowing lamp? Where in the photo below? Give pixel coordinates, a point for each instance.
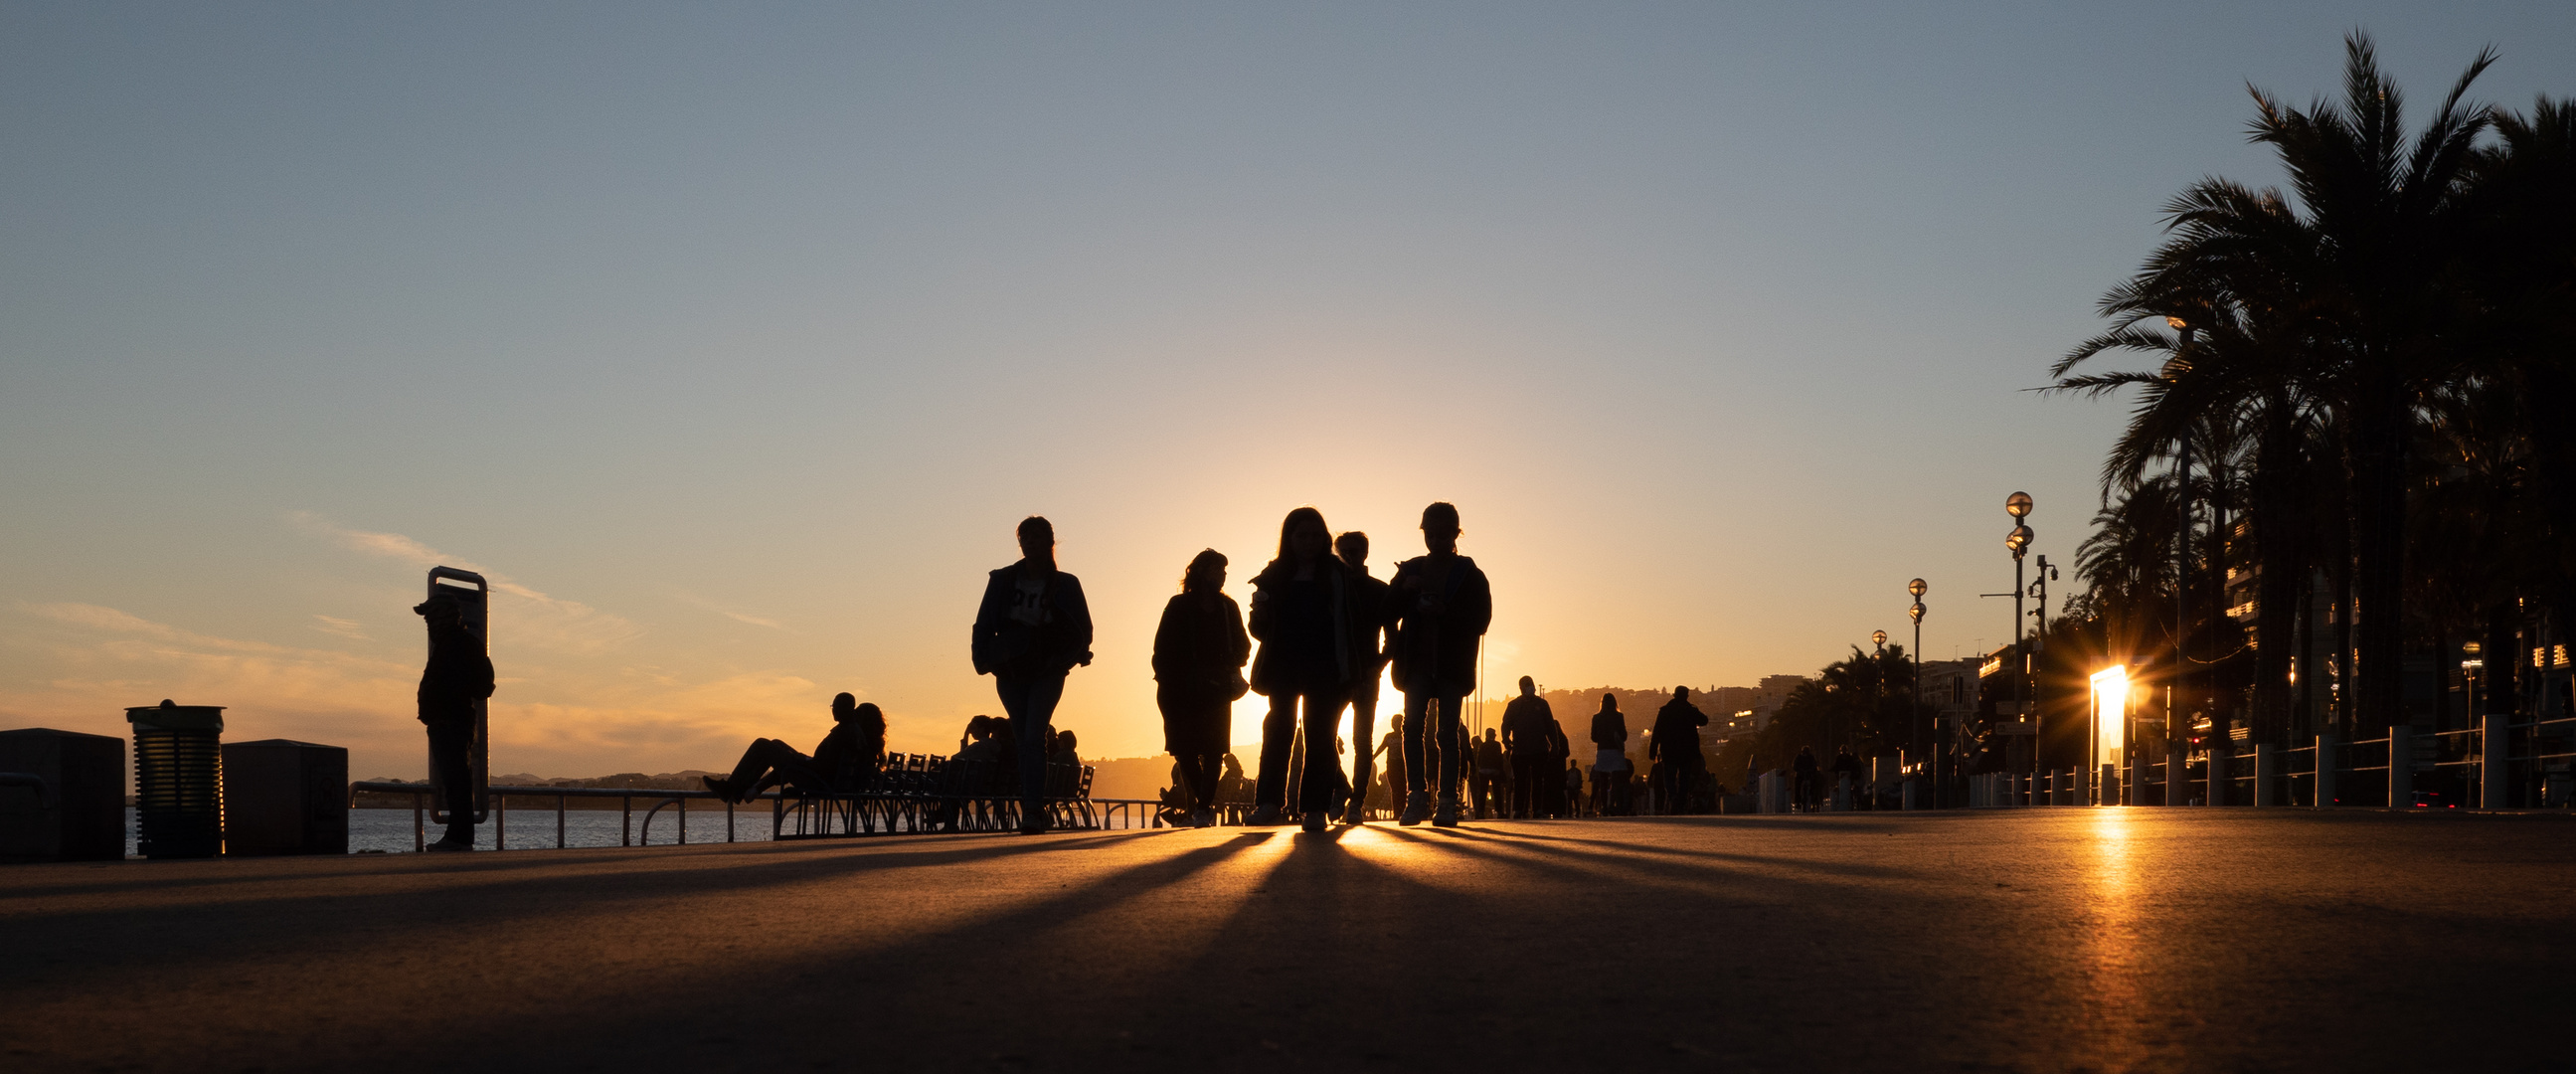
(2110, 715)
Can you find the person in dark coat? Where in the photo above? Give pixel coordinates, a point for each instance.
(1525, 729)
(1440, 604)
(1314, 642)
(1676, 744)
(1369, 597)
(1032, 629)
(457, 677)
(1804, 788)
(1610, 761)
(1199, 651)
(845, 760)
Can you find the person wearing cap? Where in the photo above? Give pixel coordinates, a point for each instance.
(459, 674)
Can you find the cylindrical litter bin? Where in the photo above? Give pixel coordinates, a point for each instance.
(178, 779)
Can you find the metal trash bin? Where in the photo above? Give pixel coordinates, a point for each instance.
(79, 814)
(285, 797)
(178, 779)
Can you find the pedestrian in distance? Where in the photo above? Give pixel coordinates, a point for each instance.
(1610, 760)
(1805, 790)
(1489, 790)
(847, 758)
(1525, 737)
(1846, 772)
(1441, 604)
(1313, 645)
(1031, 630)
(1676, 745)
(458, 674)
(1369, 599)
(1199, 652)
(1558, 750)
(1392, 747)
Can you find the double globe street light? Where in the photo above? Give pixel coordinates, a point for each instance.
(1917, 588)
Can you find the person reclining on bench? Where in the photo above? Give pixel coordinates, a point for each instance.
(842, 761)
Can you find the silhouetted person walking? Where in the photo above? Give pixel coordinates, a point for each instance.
(1199, 652)
(459, 673)
(1369, 606)
(1676, 744)
(1526, 722)
(1441, 604)
(1031, 630)
(1610, 763)
(1846, 767)
(1490, 785)
(1312, 647)
(1393, 747)
(1807, 779)
(843, 761)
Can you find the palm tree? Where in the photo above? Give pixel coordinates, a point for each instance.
(2337, 312)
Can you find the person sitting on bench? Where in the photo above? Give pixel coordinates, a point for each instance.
(842, 761)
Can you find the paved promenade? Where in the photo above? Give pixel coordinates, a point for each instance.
(2042, 940)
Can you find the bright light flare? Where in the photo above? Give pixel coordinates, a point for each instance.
(2110, 714)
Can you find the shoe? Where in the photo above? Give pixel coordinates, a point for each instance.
(1417, 808)
(1205, 818)
(1315, 821)
(1036, 824)
(1266, 816)
(723, 788)
(1355, 816)
(1446, 816)
(448, 845)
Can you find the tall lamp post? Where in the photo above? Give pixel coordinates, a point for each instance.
(2018, 505)
(2177, 687)
(1917, 588)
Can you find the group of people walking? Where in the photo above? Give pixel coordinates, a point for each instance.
(1327, 629)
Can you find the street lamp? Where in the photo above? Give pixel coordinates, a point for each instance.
(1917, 588)
(2018, 505)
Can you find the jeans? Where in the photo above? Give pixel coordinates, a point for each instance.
(769, 763)
(1198, 779)
(1450, 739)
(1315, 784)
(1030, 701)
(1363, 732)
(451, 747)
(1530, 772)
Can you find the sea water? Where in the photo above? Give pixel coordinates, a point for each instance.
(389, 831)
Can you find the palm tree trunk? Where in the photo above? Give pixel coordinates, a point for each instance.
(2380, 498)
(2279, 570)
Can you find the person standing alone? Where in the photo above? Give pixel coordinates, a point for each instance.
(459, 674)
(1440, 604)
(1676, 744)
(1031, 630)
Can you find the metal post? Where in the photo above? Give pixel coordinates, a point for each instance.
(2326, 763)
(728, 820)
(500, 822)
(2401, 767)
(2266, 765)
(418, 842)
(625, 820)
(2222, 772)
(559, 822)
(2177, 772)
(2494, 734)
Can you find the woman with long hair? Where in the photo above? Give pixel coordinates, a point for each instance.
(1199, 650)
(1310, 626)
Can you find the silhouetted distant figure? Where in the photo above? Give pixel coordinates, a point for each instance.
(1199, 652)
(1314, 644)
(1487, 788)
(1805, 767)
(1552, 778)
(1032, 628)
(1676, 744)
(1230, 783)
(1392, 747)
(1066, 750)
(843, 761)
(1369, 604)
(1441, 605)
(1525, 729)
(459, 673)
(1846, 766)
(1610, 763)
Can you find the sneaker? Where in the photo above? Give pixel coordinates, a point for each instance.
(1205, 818)
(1267, 816)
(723, 788)
(1355, 816)
(1446, 816)
(1417, 808)
(1315, 821)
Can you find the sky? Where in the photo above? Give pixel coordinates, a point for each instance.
(732, 341)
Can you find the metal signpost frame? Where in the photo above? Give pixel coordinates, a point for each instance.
(469, 589)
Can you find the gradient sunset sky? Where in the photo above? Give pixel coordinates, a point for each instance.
(735, 339)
